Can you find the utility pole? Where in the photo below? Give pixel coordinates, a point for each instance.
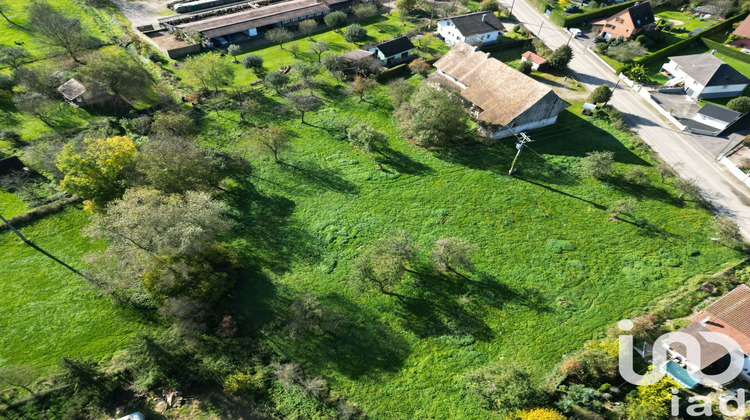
(13, 229)
(511, 7)
(539, 34)
(613, 91)
(522, 140)
(432, 15)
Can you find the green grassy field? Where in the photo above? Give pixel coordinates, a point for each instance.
(525, 303)
(688, 22)
(10, 205)
(48, 311)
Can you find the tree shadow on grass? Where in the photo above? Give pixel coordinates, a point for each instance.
(576, 136)
(251, 301)
(644, 191)
(362, 346)
(548, 188)
(8, 112)
(448, 303)
(402, 163)
(309, 172)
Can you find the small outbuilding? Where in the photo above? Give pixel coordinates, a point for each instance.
(537, 62)
(394, 52)
(713, 120)
(76, 94)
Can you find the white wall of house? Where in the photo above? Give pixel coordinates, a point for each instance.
(713, 122)
(451, 35)
(506, 132)
(697, 90)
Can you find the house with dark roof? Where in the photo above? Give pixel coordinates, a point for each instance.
(730, 316)
(394, 52)
(477, 29)
(627, 23)
(705, 76)
(712, 120)
(537, 62)
(503, 101)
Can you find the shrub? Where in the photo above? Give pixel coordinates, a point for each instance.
(558, 246)
(601, 94)
(539, 414)
(525, 67)
(505, 389)
(364, 10)
(253, 62)
(419, 67)
(355, 33)
(637, 175)
(489, 6)
(560, 58)
(627, 51)
(728, 233)
(597, 164)
(335, 19)
(740, 104)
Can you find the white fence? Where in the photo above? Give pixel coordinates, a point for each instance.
(734, 170)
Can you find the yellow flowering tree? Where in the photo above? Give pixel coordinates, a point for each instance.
(93, 168)
(539, 414)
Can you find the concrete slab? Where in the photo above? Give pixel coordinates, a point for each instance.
(679, 105)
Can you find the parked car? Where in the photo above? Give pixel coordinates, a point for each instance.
(220, 41)
(571, 9)
(599, 39)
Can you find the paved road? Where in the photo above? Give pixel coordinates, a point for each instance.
(727, 194)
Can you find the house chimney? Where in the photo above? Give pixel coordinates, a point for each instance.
(484, 17)
(713, 52)
(705, 321)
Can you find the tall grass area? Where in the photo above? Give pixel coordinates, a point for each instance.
(552, 270)
(48, 311)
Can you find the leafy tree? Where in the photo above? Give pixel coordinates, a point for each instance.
(179, 164)
(728, 232)
(309, 318)
(361, 85)
(601, 94)
(652, 402)
(172, 123)
(355, 33)
(93, 169)
(162, 246)
(621, 207)
(246, 107)
(14, 57)
(525, 67)
(450, 254)
(117, 75)
(276, 80)
(59, 31)
(319, 48)
(273, 140)
(740, 104)
(597, 164)
(386, 262)
(627, 51)
(594, 364)
(366, 66)
(638, 73)
(560, 58)
(209, 71)
(432, 116)
(306, 71)
(406, 6)
(505, 389)
(489, 6)
(234, 50)
(364, 10)
(335, 20)
(39, 106)
(4, 8)
(539, 414)
(279, 36)
(308, 26)
(334, 64)
(362, 135)
(399, 91)
(304, 104)
(294, 49)
(253, 62)
(420, 67)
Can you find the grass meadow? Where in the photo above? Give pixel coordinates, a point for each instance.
(529, 302)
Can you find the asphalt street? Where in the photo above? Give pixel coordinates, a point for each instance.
(726, 193)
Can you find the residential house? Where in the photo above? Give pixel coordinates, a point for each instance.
(712, 120)
(76, 94)
(537, 62)
(729, 315)
(394, 52)
(503, 100)
(478, 29)
(743, 32)
(704, 76)
(627, 23)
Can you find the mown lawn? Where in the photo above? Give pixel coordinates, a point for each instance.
(47, 311)
(10, 205)
(689, 23)
(526, 303)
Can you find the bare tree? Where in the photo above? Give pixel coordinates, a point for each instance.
(305, 104)
(279, 36)
(14, 57)
(451, 254)
(308, 26)
(59, 30)
(386, 262)
(621, 207)
(319, 48)
(273, 139)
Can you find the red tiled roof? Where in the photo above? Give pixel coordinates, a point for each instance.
(744, 29)
(533, 57)
(730, 315)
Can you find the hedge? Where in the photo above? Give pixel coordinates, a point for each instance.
(569, 21)
(728, 51)
(664, 52)
(39, 212)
